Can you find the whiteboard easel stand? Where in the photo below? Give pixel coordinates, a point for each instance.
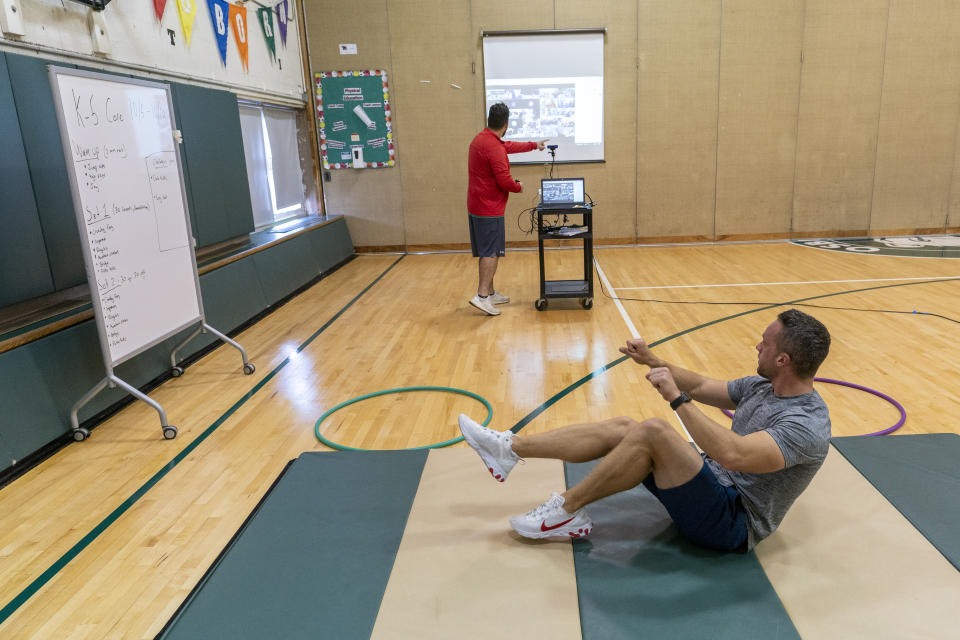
(176, 370)
(169, 431)
(109, 361)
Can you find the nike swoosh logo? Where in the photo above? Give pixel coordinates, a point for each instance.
(544, 527)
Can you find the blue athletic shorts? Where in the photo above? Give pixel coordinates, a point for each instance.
(487, 236)
(705, 512)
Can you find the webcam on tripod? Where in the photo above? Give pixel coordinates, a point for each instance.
(552, 147)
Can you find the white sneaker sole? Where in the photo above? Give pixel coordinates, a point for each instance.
(565, 532)
(489, 312)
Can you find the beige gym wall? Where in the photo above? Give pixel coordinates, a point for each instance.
(724, 119)
(916, 144)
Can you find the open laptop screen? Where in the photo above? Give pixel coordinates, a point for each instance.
(561, 191)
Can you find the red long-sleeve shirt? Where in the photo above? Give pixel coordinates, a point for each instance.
(489, 169)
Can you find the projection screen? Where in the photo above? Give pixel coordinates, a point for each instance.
(553, 83)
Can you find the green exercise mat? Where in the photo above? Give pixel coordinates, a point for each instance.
(636, 578)
(920, 476)
(314, 558)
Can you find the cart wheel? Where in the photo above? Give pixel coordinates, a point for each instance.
(540, 304)
(169, 432)
(248, 368)
(587, 303)
(80, 434)
(176, 372)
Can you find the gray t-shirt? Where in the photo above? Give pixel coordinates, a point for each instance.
(800, 425)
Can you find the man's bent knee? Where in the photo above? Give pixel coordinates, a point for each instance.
(650, 429)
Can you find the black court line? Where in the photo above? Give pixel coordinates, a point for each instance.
(45, 577)
(75, 550)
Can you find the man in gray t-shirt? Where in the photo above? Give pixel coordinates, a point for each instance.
(731, 497)
(800, 425)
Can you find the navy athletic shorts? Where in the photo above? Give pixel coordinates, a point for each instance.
(487, 236)
(705, 512)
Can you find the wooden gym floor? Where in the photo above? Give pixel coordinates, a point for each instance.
(107, 537)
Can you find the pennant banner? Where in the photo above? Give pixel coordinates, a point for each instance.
(159, 6)
(219, 14)
(265, 17)
(188, 11)
(283, 11)
(238, 22)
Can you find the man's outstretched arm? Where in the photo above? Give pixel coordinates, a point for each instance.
(757, 452)
(699, 387)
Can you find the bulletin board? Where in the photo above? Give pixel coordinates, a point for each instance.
(353, 112)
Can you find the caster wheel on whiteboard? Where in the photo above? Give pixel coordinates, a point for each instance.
(176, 372)
(540, 304)
(169, 432)
(81, 434)
(248, 368)
(586, 303)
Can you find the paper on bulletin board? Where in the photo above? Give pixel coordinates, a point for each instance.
(353, 109)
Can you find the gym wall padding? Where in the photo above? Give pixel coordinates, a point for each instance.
(919, 107)
(215, 169)
(48, 171)
(37, 193)
(842, 76)
(24, 272)
(41, 380)
(746, 119)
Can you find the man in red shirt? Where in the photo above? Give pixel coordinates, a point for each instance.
(490, 186)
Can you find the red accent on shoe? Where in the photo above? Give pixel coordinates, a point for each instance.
(544, 527)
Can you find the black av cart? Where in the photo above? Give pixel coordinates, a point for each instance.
(582, 289)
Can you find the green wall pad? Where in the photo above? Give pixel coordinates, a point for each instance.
(920, 476)
(636, 578)
(314, 558)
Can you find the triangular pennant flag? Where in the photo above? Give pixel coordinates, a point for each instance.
(265, 17)
(283, 12)
(188, 11)
(238, 22)
(219, 14)
(159, 6)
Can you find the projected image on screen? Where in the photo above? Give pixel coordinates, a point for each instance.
(553, 85)
(538, 111)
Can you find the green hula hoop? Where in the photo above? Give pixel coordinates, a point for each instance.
(446, 443)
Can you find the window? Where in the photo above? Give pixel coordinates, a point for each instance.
(553, 83)
(273, 162)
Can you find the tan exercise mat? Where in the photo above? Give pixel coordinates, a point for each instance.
(461, 572)
(847, 564)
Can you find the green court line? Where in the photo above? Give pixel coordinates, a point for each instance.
(45, 577)
(75, 550)
(593, 374)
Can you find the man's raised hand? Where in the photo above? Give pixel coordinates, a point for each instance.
(638, 350)
(662, 380)
(541, 144)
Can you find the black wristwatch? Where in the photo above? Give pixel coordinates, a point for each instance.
(679, 400)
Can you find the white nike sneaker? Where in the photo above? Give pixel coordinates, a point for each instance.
(551, 519)
(498, 298)
(485, 305)
(493, 447)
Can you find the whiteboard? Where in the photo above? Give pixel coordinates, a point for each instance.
(127, 183)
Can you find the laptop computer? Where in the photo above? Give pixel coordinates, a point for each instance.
(562, 193)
